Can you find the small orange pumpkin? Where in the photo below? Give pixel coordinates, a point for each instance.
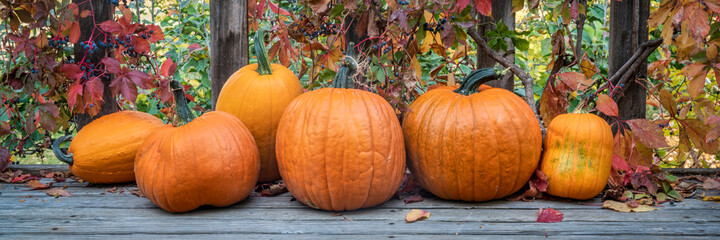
(578, 155)
(104, 151)
(212, 160)
(257, 94)
(340, 149)
(470, 145)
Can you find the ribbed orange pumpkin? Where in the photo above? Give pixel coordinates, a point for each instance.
(257, 94)
(340, 149)
(104, 150)
(578, 155)
(212, 160)
(469, 145)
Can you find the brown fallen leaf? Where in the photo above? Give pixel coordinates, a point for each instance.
(58, 192)
(712, 198)
(416, 215)
(36, 185)
(137, 192)
(624, 207)
(348, 219)
(711, 184)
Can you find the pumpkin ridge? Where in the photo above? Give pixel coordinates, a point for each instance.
(519, 159)
(472, 142)
(372, 149)
(483, 103)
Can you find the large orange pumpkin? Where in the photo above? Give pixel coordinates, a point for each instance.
(470, 145)
(340, 149)
(257, 94)
(578, 155)
(104, 150)
(212, 160)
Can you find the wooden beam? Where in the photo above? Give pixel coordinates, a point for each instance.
(228, 41)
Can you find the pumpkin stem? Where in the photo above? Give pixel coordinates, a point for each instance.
(262, 54)
(343, 77)
(60, 153)
(472, 81)
(184, 113)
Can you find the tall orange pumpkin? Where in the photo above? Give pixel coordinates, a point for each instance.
(470, 145)
(578, 155)
(339, 148)
(257, 94)
(104, 151)
(212, 160)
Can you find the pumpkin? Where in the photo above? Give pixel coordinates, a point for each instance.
(340, 148)
(211, 160)
(578, 155)
(257, 94)
(472, 143)
(104, 151)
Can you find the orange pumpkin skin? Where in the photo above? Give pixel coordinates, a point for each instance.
(340, 149)
(259, 101)
(475, 147)
(212, 160)
(578, 155)
(104, 150)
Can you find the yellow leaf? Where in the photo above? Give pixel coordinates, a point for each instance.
(429, 40)
(416, 215)
(416, 68)
(451, 79)
(588, 67)
(712, 198)
(460, 52)
(428, 16)
(623, 207)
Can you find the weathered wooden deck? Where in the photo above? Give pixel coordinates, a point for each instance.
(92, 212)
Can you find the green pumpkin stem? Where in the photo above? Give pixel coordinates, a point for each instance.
(343, 77)
(472, 81)
(261, 52)
(60, 153)
(184, 113)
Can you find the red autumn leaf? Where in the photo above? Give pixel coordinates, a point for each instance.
(71, 71)
(4, 158)
(318, 6)
(277, 10)
(412, 198)
(193, 47)
(461, 4)
(483, 6)
(37, 185)
(21, 178)
(74, 35)
(93, 92)
(448, 35)
(168, 68)
(141, 79)
(540, 180)
(400, 15)
(575, 80)
(157, 34)
(575, 10)
(712, 135)
(696, 74)
(648, 133)
(607, 105)
(549, 215)
(111, 26)
(124, 86)
(698, 21)
(85, 13)
(141, 45)
(58, 192)
(619, 163)
(74, 91)
(112, 65)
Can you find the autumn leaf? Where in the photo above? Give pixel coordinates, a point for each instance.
(416, 215)
(624, 207)
(4, 158)
(37, 185)
(460, 5)
(668, 102)
(483, 6)
(607, 105)
(711, 198)
(157, 34)
(168, 68)
(710, 184)
(697, 131)
(58, 192)
(588, 68)
(549, 215)
(618, 163)
(71, 71)
(48, 113)
(553, 102)
(649, 133)
(575, 80)
(74, 91)
(74, 34)
(318, 6)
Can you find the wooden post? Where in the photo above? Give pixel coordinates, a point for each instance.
(228, 41)
(501, 10)
(102, 11)
(628, 30)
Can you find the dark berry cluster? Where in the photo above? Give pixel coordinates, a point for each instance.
(435, 27)
(57, 41)
(381, 44)
(403, 2)
(311, 31)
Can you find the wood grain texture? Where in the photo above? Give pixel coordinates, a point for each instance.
(228, 41)
(94, 213)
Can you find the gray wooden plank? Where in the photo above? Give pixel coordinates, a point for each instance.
(448, 215)
(340, 227)
(51, 236)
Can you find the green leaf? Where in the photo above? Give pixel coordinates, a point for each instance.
(674, 194)
(521, 44)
